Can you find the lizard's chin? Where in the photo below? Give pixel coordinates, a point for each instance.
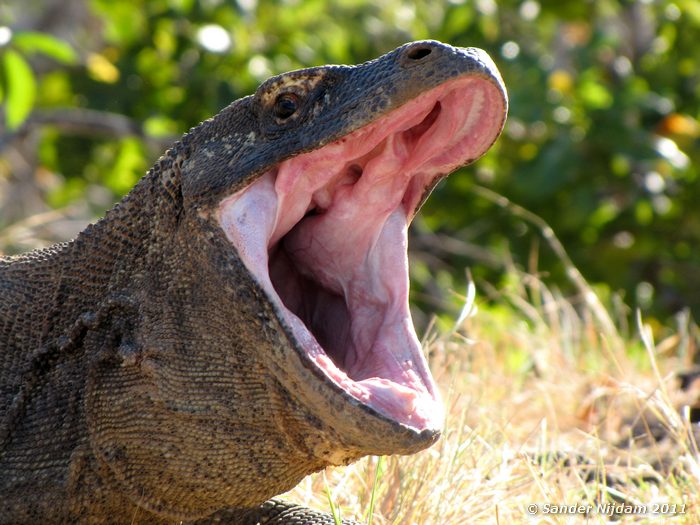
(325, 235)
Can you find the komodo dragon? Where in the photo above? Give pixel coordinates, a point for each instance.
(240, 319)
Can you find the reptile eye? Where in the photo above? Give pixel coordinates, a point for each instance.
(286, 105)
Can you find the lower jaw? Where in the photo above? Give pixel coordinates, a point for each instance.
(337, 429)
(407, 402)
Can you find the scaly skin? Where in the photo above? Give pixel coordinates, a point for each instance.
(144, 375)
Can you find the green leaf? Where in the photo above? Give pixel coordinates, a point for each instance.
(160, 126)
(21, 88)
(49, 45)
(129, 165)
(593, 92)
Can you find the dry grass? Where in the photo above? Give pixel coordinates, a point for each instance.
(542, 400)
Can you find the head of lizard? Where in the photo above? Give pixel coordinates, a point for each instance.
(323, 229)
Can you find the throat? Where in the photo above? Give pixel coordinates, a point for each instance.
(324, 312)
(349, 287)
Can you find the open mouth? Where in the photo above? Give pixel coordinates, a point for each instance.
(325, 235)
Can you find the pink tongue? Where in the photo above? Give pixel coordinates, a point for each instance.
(370, 266)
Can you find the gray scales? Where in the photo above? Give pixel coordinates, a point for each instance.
(240, 319)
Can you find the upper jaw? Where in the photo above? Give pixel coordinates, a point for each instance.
(324, 235)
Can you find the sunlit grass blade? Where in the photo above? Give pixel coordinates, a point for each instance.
(335, 511)
(378, 472)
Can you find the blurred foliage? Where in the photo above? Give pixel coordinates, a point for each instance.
(603, 138)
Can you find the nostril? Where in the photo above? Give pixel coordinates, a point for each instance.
(418, 52)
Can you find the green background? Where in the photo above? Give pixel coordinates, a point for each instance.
(602, 142)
